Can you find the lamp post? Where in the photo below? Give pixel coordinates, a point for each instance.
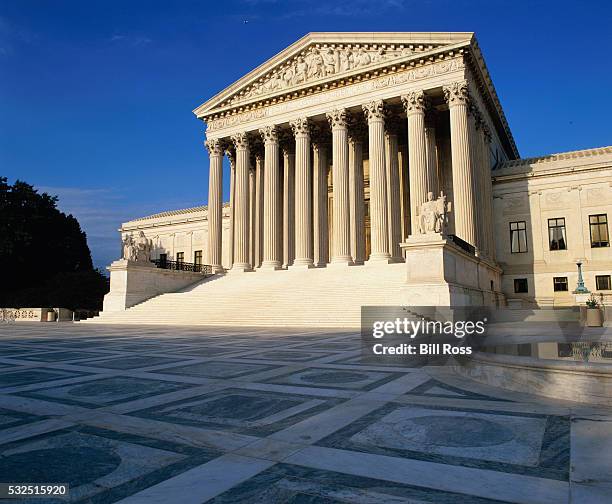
(580, 288)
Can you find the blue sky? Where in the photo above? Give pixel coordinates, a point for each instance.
(96, 97)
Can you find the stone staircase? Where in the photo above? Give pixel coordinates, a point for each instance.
(319, 297)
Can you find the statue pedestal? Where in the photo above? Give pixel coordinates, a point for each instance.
(441, 273)
(132, 282)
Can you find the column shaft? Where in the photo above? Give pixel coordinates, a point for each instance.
(356, 200)
(404, 190)
(288, 207)
(378, 181)
(271, 241)
(259, 186)
(414, 104)
(393, 196)
(241, 199)
(252, 202)
(485, 136)
(230, 242)
(215, 202)
(433, 185)
(303, 194)
(319, 211)
(341, 214)
(465, 225)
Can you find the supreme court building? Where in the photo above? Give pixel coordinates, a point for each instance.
(351, 151)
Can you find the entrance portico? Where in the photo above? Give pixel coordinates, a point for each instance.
(332, 117)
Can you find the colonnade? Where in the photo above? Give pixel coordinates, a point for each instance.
(279, 201)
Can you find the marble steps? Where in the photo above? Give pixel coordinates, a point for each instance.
(320, 297)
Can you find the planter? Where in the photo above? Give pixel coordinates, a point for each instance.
(594, 317)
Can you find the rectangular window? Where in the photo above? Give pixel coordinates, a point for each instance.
(163, 258)
(603, 282)
(598, 225)
(560, 284)
(197, 257)
(518, 237)
(520, 285)
(180, 257)
(556, 234)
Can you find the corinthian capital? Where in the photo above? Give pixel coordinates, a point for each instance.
(300, 126)
(214, 146)
(240, 141)
(415, 102)
(456, 93)
(269, 134)
(338, 118)
(375, 110)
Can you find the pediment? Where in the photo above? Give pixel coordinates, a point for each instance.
(319, 58)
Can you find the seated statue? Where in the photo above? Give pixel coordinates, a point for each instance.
(143, 248)
(433, 216)
(129, 248)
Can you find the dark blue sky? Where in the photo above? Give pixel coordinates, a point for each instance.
(96, 97)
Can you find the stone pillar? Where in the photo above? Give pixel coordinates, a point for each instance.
(477, 189)
(379, 223)
(231, 156)
(356, 197)
(252, 202)
(433, 185)
(288, 205)
(404, 190)
(215, 202)
(272, 229)
(342, 238)
(393, 190)
(259, 186)
(415, 105)
(303, 194)
(456, 96)
(319, 198)
(241, 200)
(485, 140)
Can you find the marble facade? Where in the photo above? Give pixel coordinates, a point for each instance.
(333, 145)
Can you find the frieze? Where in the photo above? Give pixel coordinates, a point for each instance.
(403, 77)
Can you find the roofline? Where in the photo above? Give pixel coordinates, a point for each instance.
(438, 37)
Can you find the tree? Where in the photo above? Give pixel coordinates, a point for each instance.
(44, 257)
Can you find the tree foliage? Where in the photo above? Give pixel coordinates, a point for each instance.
(44, 257)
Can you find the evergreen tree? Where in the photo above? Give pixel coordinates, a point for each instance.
(44, 257)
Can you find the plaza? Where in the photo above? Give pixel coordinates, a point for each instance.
(146, 414)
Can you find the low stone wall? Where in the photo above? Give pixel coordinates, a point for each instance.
(132, 283)
(572, 381)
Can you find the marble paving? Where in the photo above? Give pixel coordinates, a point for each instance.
(192, 415)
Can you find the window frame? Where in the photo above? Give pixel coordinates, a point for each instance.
(600, 243)
(180, 257)
(518, 230)
(515, 282)
(609, 280)
(560, 280)
(197, 254)
(557, 226)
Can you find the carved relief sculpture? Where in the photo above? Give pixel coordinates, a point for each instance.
(433, 215)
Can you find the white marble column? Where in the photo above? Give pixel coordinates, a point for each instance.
(356, 197)
(259, 201)
(338, 121)
(303, 194)
(241, 200)
(485, 139)
(288, 205)
(320, 233)
(231, 156)
(415, 104)
(393, 190)
(404, 190)
(379, 223)
(272, 223)
(433, 184)
(252, 202)
(456, 95)
(215, 203)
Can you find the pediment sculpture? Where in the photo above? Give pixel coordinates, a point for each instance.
(433, 214)
(317, 62)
